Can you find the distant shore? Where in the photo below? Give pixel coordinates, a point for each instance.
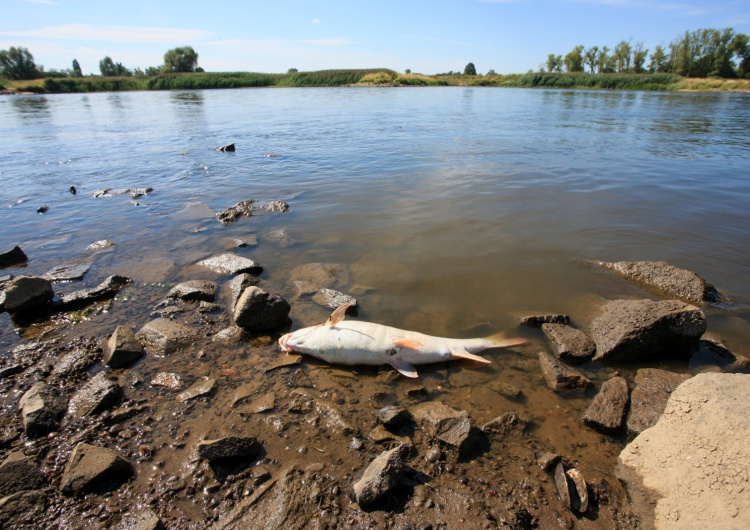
(370, 78)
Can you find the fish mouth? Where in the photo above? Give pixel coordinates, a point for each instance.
(283, 343)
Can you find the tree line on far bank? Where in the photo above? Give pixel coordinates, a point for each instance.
(18, 64)
(699, 53)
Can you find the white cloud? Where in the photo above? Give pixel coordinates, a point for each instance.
(315, 21)
(45, 2)
(328, 42)
(85, 32)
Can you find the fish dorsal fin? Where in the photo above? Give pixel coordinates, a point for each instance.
(403, 367)
(407, 344)
(460, 353)
(337, 316)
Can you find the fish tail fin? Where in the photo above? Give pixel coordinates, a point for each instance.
(463, 354)
(499, 341)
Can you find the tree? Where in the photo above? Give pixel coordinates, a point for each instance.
(180, 60)
(153, 70)
(591, 58)
(109, 68)
(741, 48)
(470, 69)
(18, 63)
(574, 60)
(554, 63)
(659, 60)
(639, 57)
(294, 71)
(606, 62)
(492, 72)
(622, 56)
(77, 69)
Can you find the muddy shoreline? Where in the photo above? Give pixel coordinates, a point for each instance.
(295, 436)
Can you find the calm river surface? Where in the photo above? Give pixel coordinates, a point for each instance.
(456, 211)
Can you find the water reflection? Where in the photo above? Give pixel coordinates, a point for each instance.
(31, 107)
(188, 99)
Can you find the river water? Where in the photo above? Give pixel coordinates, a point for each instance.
(456, 210)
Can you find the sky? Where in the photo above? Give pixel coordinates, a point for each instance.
(272, 36)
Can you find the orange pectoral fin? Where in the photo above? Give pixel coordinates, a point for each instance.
(337, 316)
(463, 354)
(408, 344)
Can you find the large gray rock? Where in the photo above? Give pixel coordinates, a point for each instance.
(14, 256)
(381, 475)
(98, 394)
(194, 291)
(607, 411)
(649, 397)
(663, 278)
(693, 464)
(238, 284)
(18, 473)
(41, 408)
(27, 293)
(122, 349)
(571, 345)
(68, 272)
(450, 426)
(94, 468)
(630, 330)
(258, 310)
(164, 337)
(83, 297)
(231, 264)
(559, 376)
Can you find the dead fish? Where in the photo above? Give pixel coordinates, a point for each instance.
(353, 342)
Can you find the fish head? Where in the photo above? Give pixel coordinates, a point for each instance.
(305, 340)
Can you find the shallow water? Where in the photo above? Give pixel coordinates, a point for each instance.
(457, 210)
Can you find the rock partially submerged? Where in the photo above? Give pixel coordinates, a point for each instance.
(100, 393)
(559, 376)
(334, 299)
(229, 263)
(122, 349)
(536, 321)
(18, 473)
(164, 337)
(629, 330)
(68, 272)
(14, 256)
(258, 310)
(245, 447)
(247, 207)
(694, 460)
(228, 148)
(381, 475)
(665, 279)
(607, 411)
(649, 398)
(194, 291)
(83, 297)
(571, 345)
(24, 294)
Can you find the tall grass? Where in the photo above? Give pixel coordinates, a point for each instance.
(93, 84)
(605, 81)
(330, 77)
(188, 81)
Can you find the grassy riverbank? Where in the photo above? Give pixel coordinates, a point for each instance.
(375, 76)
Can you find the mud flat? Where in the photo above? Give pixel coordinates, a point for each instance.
(129, 404)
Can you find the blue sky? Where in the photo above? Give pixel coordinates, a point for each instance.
(427, 36)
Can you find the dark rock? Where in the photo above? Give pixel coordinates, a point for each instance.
(14, 256)
(73, 190)
(246, 447)
(208, 307)
(393, 417)
(18, 473)
(561, 483)
(607, 411)
(231, 214)
(505, 424)
(139, 192)
(381, 475)
(77, 361)
(27, 293)
(238, 284)
(229, 148)
(334, 299)
(122, 348)
(92, 468)
(629, 330)
(506, 390)
(571, 345)
(164, 337)
(41, 409)
(536, 321)
(231, 264)
(22, 510)
(13, 369)
(42, 209)
(276, 206)
(666, 279)
(448, 425)
(194, 291)
(548, 461)
(230, 335)
(559, 376)
(83, 297)
(649, 397)
(98, 394)
(68, 272)
(201, 388)
(259, 310)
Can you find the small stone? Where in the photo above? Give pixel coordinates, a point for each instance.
(393, 417)
(27, 293)
(559, 376)
(258, 310)
(122, 349)
(448, 425)
(83, 297)
(548, 461)
(199, 389)
(571, 345)
(94, 468)
(164, 337)
(381, 475)
(653, 387)
(102, 244)
(228, 148)
(334, 299)
(536, 321)
(607, 411)
(18, 473)
(194, 291)
(41, 408)
(168, 380)
(68, 272)
(505, 424)
(100, 393)
(14, 256)
(229, 447)
(229, 263)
